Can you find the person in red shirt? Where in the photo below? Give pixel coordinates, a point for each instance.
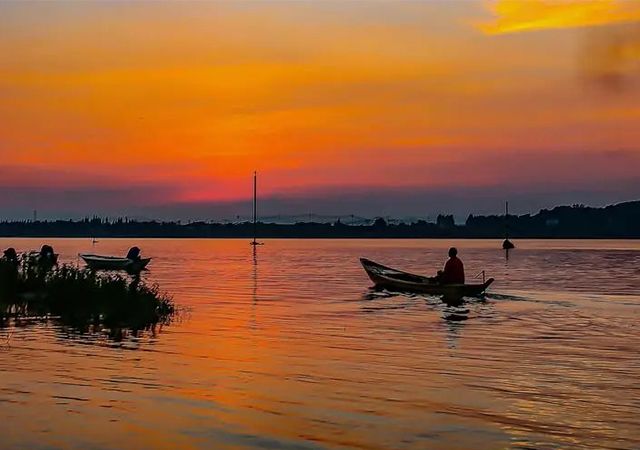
(453, 272)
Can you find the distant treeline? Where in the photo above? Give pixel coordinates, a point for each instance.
(577, 221)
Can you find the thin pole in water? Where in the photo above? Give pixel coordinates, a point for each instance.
(255, 206)
(506, 220)
(255, 209)
(506, 244)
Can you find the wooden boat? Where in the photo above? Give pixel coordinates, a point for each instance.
(98, 262)
(397, 280)
(507, 244)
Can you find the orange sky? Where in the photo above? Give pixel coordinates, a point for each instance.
(186, 99)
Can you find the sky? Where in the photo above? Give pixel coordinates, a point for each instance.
(165, 109)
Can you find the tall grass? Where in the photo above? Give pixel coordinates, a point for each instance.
(80, 297)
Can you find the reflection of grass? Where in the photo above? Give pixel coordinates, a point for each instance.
(80, 298)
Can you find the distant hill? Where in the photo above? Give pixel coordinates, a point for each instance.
(577, 221)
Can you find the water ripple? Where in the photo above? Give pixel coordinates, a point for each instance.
(286, 348)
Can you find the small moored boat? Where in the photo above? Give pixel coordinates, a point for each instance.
(387, 278)
(507, 244)
(98, 262)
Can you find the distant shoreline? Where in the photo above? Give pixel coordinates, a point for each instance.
(328, 238)
(621, 221)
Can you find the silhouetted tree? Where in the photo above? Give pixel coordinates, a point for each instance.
(446, 222)
(380, 223)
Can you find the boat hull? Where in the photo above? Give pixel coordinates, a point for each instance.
(507, 245)
(392, 279)
(98, 262)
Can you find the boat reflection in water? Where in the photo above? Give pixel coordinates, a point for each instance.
(455, 311)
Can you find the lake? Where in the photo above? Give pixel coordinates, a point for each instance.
(286, 347)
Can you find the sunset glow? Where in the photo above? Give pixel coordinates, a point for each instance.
(180, 102)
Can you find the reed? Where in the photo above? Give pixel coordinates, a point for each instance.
(80, 297)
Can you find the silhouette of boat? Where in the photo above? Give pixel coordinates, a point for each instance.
(507, 244)
(397, 280)
(99, 262)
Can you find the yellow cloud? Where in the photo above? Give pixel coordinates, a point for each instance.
(528, 15)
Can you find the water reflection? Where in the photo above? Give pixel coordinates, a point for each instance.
(85, 328)
(98, 334)
(454, 323)
(254, 251)
(454, 310)
(280, 342)
(254, 287)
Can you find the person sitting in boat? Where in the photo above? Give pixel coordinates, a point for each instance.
(453, 272)
(11, 256)
(45, 259)
(47, 256)
(134, 254)
(8, 276)
(46, 251)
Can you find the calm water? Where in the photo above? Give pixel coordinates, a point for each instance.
(287, 348)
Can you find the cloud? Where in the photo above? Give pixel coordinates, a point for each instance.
(517, 16)
(530, 180)
(611, 57)
(610, 52)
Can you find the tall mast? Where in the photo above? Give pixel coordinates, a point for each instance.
(506, 220)
(507, 244)
(255, 205)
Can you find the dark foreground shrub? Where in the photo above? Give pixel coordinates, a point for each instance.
(81, 297)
